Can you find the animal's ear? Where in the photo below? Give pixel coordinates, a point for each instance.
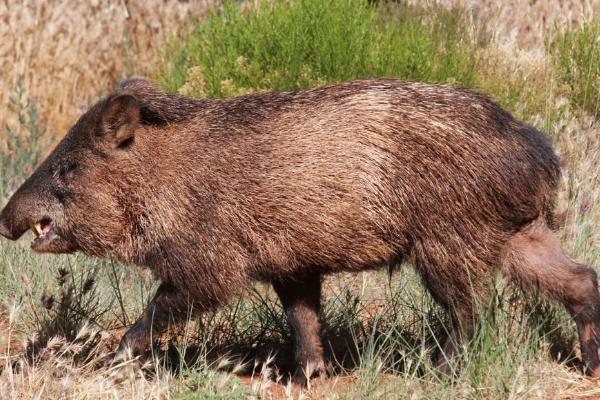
(120, 117)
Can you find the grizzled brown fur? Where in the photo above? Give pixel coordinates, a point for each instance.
(287, 187)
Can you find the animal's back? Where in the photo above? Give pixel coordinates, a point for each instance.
(349, 176)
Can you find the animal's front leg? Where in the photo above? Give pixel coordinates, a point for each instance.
(301, 299)
(155, 319)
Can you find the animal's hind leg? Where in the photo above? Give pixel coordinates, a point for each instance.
(535, 259)
(462, 312)
(456, 289)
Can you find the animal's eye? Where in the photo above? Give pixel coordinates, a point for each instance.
(125, 143)
(66, 170)
(61, 194)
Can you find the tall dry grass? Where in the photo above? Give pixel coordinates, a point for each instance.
(65, 53)
(525, 24)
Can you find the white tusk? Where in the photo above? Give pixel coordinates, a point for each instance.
(38, 228)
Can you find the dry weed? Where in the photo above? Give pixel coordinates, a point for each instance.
(79, 370)
(525, 24)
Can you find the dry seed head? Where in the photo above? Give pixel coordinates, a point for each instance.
(62, 276)
(47, 300)
(87, 286)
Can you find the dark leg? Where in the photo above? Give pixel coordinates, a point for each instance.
(535, 259)
(154, 320)
(461, 310)
(445, 360)
(301, 299)
(457, 290)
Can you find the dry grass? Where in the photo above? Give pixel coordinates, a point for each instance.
(66, 53)
(525, 24)
(79, 370)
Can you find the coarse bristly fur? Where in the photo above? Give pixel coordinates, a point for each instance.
(286, 187)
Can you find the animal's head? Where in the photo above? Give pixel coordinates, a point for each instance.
(74, 200)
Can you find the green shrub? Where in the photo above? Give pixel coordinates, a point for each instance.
(576, 53)
(292, 45)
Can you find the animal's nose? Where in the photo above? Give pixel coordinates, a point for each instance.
(12, 223)
(5, 230)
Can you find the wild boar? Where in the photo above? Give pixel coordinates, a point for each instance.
(288, 187)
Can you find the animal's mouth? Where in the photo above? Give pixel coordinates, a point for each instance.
(49, 238)
(44, 233)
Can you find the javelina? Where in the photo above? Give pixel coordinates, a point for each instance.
(288, 187)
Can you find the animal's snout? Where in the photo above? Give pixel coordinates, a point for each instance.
(7, 224)
(5, 230)
(16, 216)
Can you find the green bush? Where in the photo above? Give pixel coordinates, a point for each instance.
(292, 45)
(576, 53)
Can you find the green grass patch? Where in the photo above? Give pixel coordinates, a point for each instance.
(305, 43)
(209, 385)
(290, 45)
(576, 54)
